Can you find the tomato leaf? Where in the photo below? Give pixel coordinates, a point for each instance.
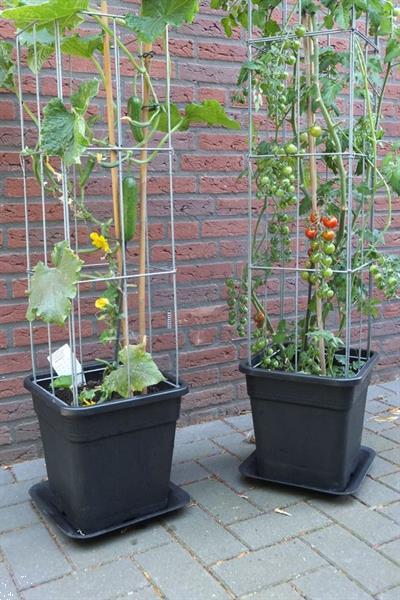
(136, 372)
(53, 288)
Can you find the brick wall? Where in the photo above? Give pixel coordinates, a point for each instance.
(211, 233)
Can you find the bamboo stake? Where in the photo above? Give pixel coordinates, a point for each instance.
(147, 49)
(308, 51)
(113, 154)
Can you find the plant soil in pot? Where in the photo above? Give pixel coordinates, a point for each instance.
(315, 82)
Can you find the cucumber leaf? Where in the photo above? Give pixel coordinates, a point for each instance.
(6, 66)
(157, 14)
(210, 112)
(83, 47)
(46, 12)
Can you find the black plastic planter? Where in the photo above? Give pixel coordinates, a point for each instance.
(308, 428)
(108, 464)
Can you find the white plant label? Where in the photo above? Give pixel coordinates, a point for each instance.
(61, 362)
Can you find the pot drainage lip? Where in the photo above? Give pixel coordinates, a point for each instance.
(248, 468)
(42, 497)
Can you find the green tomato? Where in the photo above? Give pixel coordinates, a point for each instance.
(274, 363)
(305, 275)
(292, 189)
(280, 193)
(283, 75)
(291, 59)
(285, 230)
(304, 137)
(327, 273)
(313, 278)
(291, 149)
(329, 248)
(392, 281)
(329, 294)
(374, 269)
(316, 131)
(296, 44)
(264, 180)
(285, 182)
(326, 261)
(266, 361)
(300, 31)
(287, 170)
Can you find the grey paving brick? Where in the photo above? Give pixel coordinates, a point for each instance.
(5, 476)
(269, 496)
(392, 434)
(143, 594)
(377, 442)
(393, 480)
(187, 472)
(14, 493)
(393, 386)
(194, 450)
(392, 455)
(374, 493)
(207, 539)
(376, 407)
(33, 556)
(20, 515)
(392, 511)
(355, 558)
(379, 423)
(128, 543)
(237, 444)
(329, 584)
(393, 594)
(8, 590)
(279, 592)
(31, 469)
(242, 422)
(392, 550)
(274, 527)
(381, 467)
(268, 566)
(354, 515)
(226, 467)
(218, 499)
(203, 431)
(103, 583)
(376, 391)
(178, 575)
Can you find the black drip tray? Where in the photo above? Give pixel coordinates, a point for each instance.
(42, 497)
(248, 468)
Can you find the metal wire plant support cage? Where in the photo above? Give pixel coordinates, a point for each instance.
(128, 277)
(315, 175)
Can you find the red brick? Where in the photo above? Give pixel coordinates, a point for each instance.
(212, 356)
(211, 163)
(227, 141)
(204, 336)
(212, 93)
(218, 51)
(211, 397)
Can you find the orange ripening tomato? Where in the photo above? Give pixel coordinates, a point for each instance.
(330, 222)
(329, 236)
(259, 319)
(311, 233)
(313, 218)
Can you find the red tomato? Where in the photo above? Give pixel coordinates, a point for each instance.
(330, 222)
(311, 233)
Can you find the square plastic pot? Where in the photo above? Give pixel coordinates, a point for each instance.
(307, 428)
(111, 462)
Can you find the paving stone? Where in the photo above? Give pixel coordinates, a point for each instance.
(187, 472)
(374, 423)
(242, 422)
(381, 467)
(129, 542)
(207, 539)
(178, 575)
(376, 407)
(5, 476)
(392, 455)
(393, 594)
(226, 467)
(31, 469)
(218, 499)
(393, 386)
(33, 556)
(355, 558)
(193, 433)
(194, 450)
(14, 493)
(103, 583)
(237, 444)
(274, 527)
(393, 480)
(393, 434)
(329, 584)
(354, 515)
(8, 590)
(144, 594)
(20, 515)
(269, 496)
(374, 493)
(392, 550)
(375, 391)
(279, 592)
(376, 441)
(392, 511)
(268, 566)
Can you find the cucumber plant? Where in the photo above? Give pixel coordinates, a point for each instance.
(68, 132)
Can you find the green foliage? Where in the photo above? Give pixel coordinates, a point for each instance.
(157, 14)
(209, 112)
(137, 371)
(391, 168)
(65, 133)
(64, 382)
(6, 66)
(84, 47)
(46, 12)
(53, 288)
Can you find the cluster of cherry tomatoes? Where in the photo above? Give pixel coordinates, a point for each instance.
(321, 234)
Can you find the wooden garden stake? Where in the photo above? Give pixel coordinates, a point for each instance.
(309, 67)
(113, 154)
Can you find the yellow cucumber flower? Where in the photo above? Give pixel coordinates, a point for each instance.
(101, 303)
(99, 241)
